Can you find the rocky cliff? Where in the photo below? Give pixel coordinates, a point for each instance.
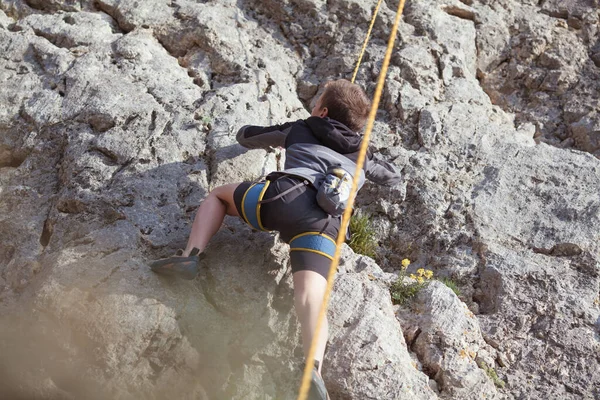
(118, 116)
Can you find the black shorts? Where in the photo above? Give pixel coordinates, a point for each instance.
(296, 216)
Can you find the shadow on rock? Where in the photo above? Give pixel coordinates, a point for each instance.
(98, 322)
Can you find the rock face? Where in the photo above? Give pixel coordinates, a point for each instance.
(541, 62)
(380, 365)
(448, 340)
(118, 116)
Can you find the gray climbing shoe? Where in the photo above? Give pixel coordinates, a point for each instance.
(317, 390)
(178, 265)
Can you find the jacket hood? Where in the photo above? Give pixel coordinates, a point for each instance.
(335, 135)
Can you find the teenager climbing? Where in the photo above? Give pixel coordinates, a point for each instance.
(286, 201)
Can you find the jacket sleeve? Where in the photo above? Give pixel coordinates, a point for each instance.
(260, 137)
(382, 172)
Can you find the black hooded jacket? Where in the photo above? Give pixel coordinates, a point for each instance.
(315, 144)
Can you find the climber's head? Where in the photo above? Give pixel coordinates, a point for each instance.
(345, 102)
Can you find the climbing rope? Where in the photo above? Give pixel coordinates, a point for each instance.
(347, 212)
(364, 46)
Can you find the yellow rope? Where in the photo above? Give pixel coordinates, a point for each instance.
(364, 46)
(347, 212)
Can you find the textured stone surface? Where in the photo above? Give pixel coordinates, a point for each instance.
(539, 63)
(449, 343)
(118, 116)
(367, 357)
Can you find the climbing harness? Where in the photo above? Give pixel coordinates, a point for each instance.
(251, 203)
(254, 197)
(306, 377)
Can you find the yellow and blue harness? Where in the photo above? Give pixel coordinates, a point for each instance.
(315, 242)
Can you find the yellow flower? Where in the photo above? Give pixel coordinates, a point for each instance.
(412, 276)
(420, 279)
(421, 271)
(428, 274)
(405, 263)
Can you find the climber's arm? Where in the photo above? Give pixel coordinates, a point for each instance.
(382, 172)
(257, 137)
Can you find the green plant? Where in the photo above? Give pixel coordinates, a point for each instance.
(491, 372)
(451, 284)
(362, 239)
(402, 291)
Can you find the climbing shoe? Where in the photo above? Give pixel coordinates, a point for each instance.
(178, 265)
(317, 389)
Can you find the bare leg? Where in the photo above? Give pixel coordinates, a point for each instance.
(210, 215)
(309, 289)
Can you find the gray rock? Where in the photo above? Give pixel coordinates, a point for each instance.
(430, 126)
(70, 30)
(493, 39)
(5, 21)
(117, 117)
(549, 50)
(351, 262)
(449, 342)
(511, 281)
(552, 242)
(361, 362)
(557, 211)
(131, 14)
(586, 133)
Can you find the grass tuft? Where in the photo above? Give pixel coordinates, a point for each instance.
(491, 372)
(451, 284)
(362, 239)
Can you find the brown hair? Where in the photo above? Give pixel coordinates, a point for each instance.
(346, 103)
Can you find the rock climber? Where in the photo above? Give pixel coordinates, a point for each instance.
(286, 202)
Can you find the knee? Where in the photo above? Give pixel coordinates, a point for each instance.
(223, 193)
(309, 287)
(216, 195)
(301, 295)
(307, 296)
